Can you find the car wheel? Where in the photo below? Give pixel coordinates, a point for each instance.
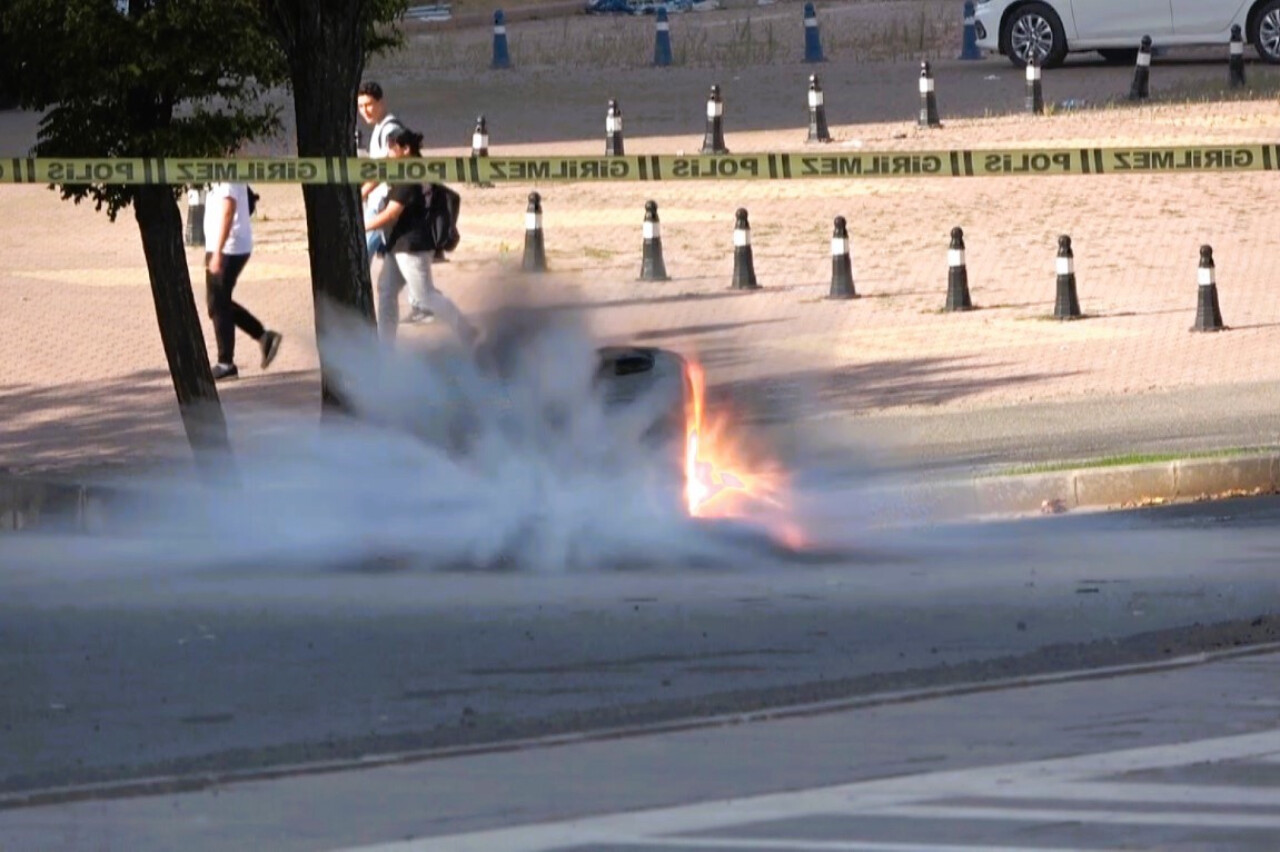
(1120, 55)
(1035, 30)
(1264, 32)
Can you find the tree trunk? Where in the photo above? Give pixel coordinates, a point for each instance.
(160, 222)
(324, 42)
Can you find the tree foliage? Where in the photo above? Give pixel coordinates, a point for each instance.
(375, 22)
(150, 78)
(146, 78)
(195, 78)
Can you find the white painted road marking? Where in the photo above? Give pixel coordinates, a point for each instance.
(786, 845)
(1085, 778)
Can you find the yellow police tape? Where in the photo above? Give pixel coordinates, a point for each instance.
(781, 166)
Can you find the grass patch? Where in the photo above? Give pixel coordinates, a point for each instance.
(1129, 460)
(1260, 86)
(730, 40)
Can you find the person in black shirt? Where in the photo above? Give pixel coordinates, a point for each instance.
(410, 246)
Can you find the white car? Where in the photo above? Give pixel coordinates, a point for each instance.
(1050, 29)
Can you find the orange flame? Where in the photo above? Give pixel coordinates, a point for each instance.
(722, 479)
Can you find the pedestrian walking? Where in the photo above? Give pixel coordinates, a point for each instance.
(228, 244)
(410, 246)
(373, 108)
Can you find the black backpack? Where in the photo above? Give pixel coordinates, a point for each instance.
(253, 200)
(443, 206)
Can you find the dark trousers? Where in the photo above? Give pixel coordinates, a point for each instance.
(227, 315)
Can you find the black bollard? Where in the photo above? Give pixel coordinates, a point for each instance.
(818, 131)
(479, 148)
(1067, 304)
(1035, 88)
(1140, 90)
(928, 99)
(480, 138)
(535, 252)
(613, 130)
(713, 140)
(1208, 315)
(1235, 63)
(652, 266)
(744, 268)
(957, 275)
(841, 264)
(195, 217)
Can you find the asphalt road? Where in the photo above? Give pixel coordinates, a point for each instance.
(659, 102)
(172, 667)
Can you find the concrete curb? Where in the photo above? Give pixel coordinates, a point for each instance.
(86, 507)
(61, 505)
(1119, 487)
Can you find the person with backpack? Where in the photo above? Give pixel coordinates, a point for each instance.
(411, 243)
(373, 109)
(228, 243)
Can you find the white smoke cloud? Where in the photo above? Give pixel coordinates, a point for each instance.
(513, 460)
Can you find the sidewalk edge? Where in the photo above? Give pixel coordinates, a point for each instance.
(83, 507)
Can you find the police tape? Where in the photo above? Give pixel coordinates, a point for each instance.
(779, 166)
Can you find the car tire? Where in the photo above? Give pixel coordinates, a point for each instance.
(1120, 55)
(1036, 27)
(1264, 32)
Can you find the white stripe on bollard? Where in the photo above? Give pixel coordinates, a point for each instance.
(1144, 59)
(479, 142)
(955, 257)
(652, 230)
(533, 221)
(839, 246)
(815, 99)
(970, 21)
(926, 85)
(1237, 48)
(1066, 266)
(663, 27)
(715, 109)
(810, 22)
(1033, 73)
(613, 124)
(741, 238)
(499, 30)
(1206, 276)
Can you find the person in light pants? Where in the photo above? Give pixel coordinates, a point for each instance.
(410, 246)
(382, 123)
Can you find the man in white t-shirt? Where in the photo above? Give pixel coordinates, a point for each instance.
(228, 239)
(373, 109)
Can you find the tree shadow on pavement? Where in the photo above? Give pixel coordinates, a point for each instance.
(866, 388)
(696, 330)
(126, 422)
(632, 301)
